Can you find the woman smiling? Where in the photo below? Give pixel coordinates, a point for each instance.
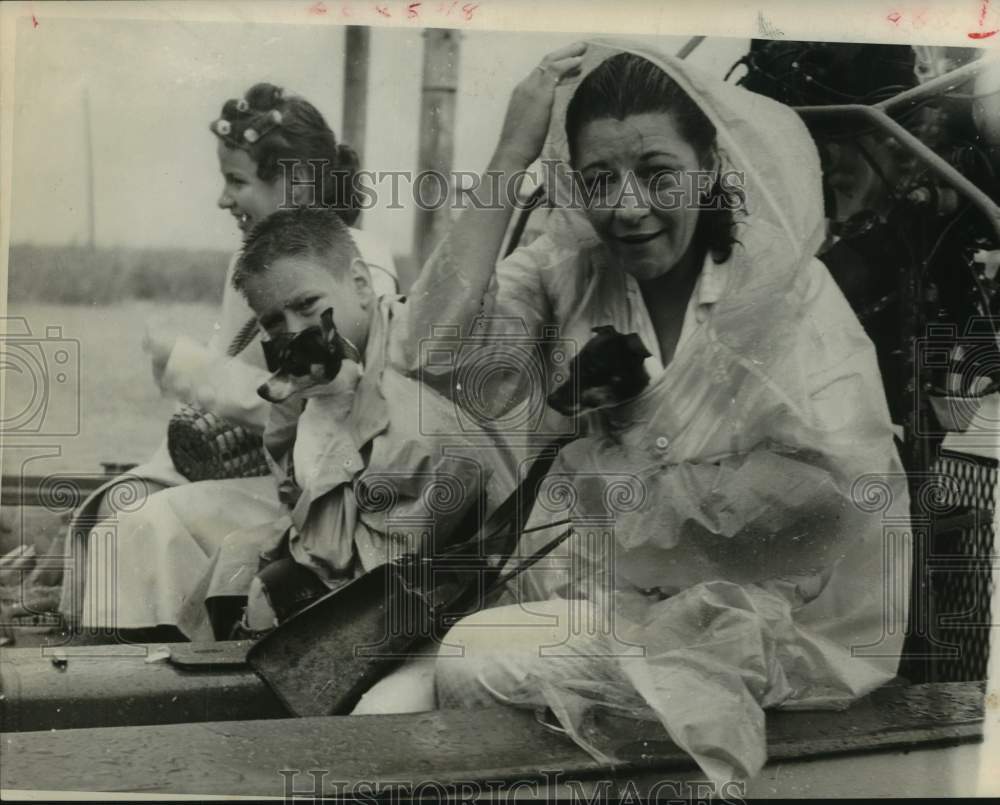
(747, 565)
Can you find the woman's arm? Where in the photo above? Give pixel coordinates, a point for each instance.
(781, 505)
(224, 385)
(451, 286)
(747, 518)
(207, 375)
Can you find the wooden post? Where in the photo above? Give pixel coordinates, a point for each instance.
(356, 46)
(437, 134)
(689, 47)
(88, 149)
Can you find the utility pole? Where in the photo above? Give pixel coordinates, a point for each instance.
(88, 147)
(355, 109)
(437, 139)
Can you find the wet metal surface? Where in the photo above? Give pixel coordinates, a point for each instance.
(247, 758)
(46, 689)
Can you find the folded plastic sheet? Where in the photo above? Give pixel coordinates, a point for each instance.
(717, 655)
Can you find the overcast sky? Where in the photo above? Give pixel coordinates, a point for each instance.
(154, 86)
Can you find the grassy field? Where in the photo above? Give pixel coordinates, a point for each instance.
(122, 416)
(80, 275)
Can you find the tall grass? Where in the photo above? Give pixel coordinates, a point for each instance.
(80, 275)
(103, 276)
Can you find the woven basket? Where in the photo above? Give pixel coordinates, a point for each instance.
(206, 447)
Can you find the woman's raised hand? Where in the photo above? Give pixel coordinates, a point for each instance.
(475, 239)
(530, 106)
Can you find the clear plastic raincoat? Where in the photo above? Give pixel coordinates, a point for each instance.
(740, 528)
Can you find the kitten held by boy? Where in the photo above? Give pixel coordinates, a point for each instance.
(346, 440)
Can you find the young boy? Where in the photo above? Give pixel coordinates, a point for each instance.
(382, 452)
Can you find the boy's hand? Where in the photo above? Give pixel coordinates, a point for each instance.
(260, 616)
(159, 345)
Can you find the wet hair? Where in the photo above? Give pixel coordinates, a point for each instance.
(625, 85)
(273, 126)
(300, 232)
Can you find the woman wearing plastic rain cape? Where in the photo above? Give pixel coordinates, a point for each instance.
(758, 554)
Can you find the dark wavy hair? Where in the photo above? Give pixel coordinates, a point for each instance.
(625, 85)
(285, 127)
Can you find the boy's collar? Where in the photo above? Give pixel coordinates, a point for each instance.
(370, 414)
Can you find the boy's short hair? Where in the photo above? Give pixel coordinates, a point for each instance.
(296, 232)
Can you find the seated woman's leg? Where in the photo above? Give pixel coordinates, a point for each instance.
(408, 689)
(484, 657)
(115, 499)
(487, 657)
(142, 567)
(144, 488)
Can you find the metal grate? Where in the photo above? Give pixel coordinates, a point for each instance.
(954, 580)
(975, 479)
(960, 601)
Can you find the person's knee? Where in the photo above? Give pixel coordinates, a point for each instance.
(130, 495)
(408, 689)
(486, 657)
(458, 681)
(472, 663)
